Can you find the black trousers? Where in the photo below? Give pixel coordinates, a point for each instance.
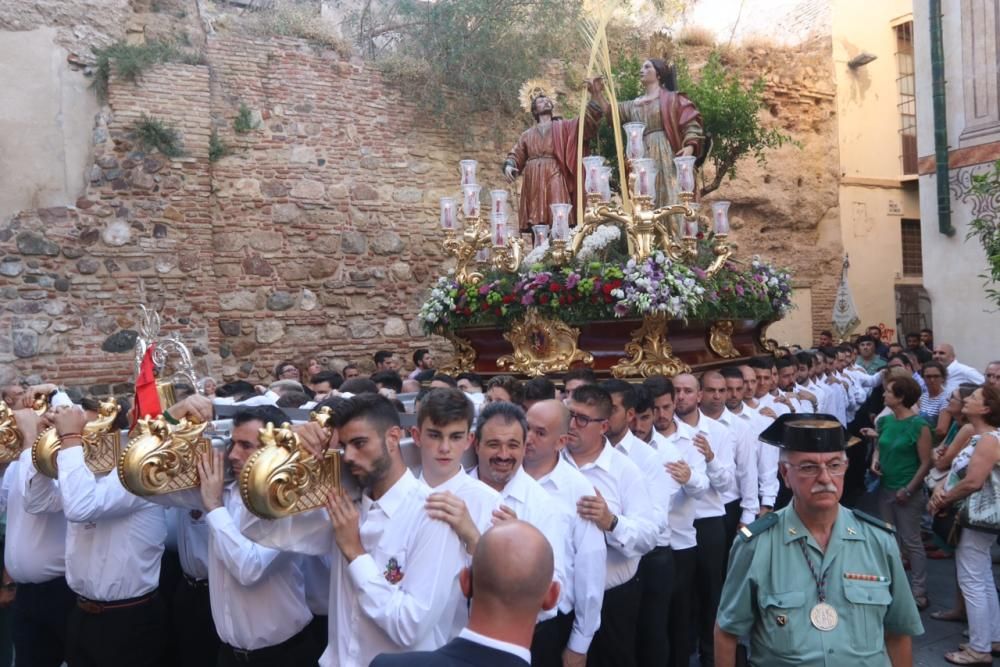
(733, 513)
(198, 644)
(656, 581)
(297, 651)
(127, 637)
(614, 643)
(550, 639)
(708, 576)
(682, 607)
(320, 629)
(41, 618)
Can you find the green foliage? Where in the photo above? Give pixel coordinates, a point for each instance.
(150, 133)
(131, 60)
(483, 50)
(986, 228)
(244, 121)
(217, 148)
(729, 110)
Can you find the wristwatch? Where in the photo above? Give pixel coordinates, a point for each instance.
(614, 523)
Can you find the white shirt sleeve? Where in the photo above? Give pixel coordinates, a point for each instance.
(720, 470)
(745, 458)
(636, 532)
(87, 497)
(41, 493)
(409, 611)
(590, 570)
(246, 561)
(9, 479)
(309, 533)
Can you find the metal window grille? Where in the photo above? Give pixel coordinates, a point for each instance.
(913, 260)
(906, 85)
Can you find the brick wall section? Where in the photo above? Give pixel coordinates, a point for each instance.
(318, 234)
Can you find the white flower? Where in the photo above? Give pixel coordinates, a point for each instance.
(596, 241)
(535, 256)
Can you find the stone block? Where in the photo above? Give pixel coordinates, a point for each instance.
(280, 300)
(353, 243)
(283, 213)
(116, 234)
(387, 243)
(246, 187)
(308, 300)
(11, 267)
(302, 155)
(30, 243)
(401, 271)
(229, 241)
(394, 327)
(255, 265)
(408, 195)
(142, 181)
(229, 327)
(306, 189)
(269, 331)
(242, 348)
(25, 343)
(362, 329)
(265, 241)
(365, 192)
(120, 341)
(244, 300)
(87, 265)
(274, 189)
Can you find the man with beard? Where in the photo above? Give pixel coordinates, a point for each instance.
(715, 443)
(393, 565)
(500, 436)
(621, 508)
(816, 583)
(566, 639)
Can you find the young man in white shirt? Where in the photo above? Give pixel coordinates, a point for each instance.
(244, 577)
(761, 417)
(500, 442)
(393, 566)
(114, 545)
(623, 510)
(443, 436)
(566, 639)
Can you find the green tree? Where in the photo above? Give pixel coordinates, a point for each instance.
(730, 112)
(986, 226)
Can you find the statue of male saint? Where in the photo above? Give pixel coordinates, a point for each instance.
(546, 156)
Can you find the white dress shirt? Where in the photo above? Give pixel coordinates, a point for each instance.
(661, 486)
(679, 446)
(317, 572)
(959, 373)
(624, 489)
(532, 504)
(586, 566)
(257, 594)
(767, 401)
(489, 642)
(745, 459)
(721, 470)
(766, 455)
(480, 500)
(192, 541)
(35, 548)
(391, 598)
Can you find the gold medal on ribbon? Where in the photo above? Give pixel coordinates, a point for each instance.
(823, 617)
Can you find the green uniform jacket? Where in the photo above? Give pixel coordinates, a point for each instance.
(770, 591)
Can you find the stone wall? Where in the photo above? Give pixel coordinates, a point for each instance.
(318, 234)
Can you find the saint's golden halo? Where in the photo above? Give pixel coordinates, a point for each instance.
(533, 88)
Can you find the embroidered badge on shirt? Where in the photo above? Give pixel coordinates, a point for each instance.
(393, 573)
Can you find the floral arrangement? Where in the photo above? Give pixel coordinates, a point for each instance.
(602, 284)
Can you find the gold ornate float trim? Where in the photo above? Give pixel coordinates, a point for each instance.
(762, 339)
(465, 355)
(160, 459)
(649, 352)
(101, 442)
(720, 339)
(10, 435)
(543, 345)
(283, 478)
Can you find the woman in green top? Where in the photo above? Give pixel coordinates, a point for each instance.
(902, 459)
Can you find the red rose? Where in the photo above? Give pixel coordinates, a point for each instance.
(509, 298)
(555, 287)
(543, 299)
(607, 288)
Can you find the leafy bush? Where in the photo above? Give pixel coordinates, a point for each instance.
(295, 19)
(244, 121)
(131, 60)
(153, 133)
(217, 148)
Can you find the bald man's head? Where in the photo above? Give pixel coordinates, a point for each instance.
(548, 424)
(512, 570)
(554, 413)
(944, 352)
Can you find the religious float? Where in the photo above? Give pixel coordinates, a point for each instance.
(646, 281)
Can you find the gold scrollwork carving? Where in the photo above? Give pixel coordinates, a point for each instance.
(465, 355)
(543, 345)
(762, 338)
(649, 352)
(720, 339)
(101, 440)
(159, 459)
(283, 478)
(10, 435)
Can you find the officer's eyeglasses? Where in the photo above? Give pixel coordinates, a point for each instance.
(834, 468)
(583, 421)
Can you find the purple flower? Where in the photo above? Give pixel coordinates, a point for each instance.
(739, 290)
(572, 280)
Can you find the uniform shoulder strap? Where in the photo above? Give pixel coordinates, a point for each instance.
(868, 518)
(759, 526)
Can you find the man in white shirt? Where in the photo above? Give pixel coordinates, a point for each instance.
(512, 569)
(760, 418)
(958, 373)
(442, 434)
(393, 565)
(623, 510)
(191, 611)
(35, 560)
(500, 436)
(423, 360)
(245, 578)
(566, 639)
(656, 568)
(114, 544)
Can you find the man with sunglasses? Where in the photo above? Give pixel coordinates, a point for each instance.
(622, 509)
(815, 583)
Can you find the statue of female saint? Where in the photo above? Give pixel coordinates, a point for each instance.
(673, 123)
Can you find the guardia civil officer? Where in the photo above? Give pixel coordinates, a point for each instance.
(816, 583)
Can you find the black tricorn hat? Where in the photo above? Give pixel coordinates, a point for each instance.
(805, 433)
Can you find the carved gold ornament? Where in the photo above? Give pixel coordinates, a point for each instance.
(720, 339)
(465, 355)
(283, 478)
(762, 339)
(649, 352)
(543, 345)
(10, 435)
(101, 442)
(160, 458)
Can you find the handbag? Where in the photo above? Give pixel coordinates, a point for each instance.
(981, 510)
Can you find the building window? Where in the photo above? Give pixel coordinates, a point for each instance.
(906, 84)
(913, 259)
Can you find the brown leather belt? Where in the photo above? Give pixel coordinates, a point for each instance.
(96, 607)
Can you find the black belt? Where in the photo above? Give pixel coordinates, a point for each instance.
(194, 583)
(245, 655)
(97, 607)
